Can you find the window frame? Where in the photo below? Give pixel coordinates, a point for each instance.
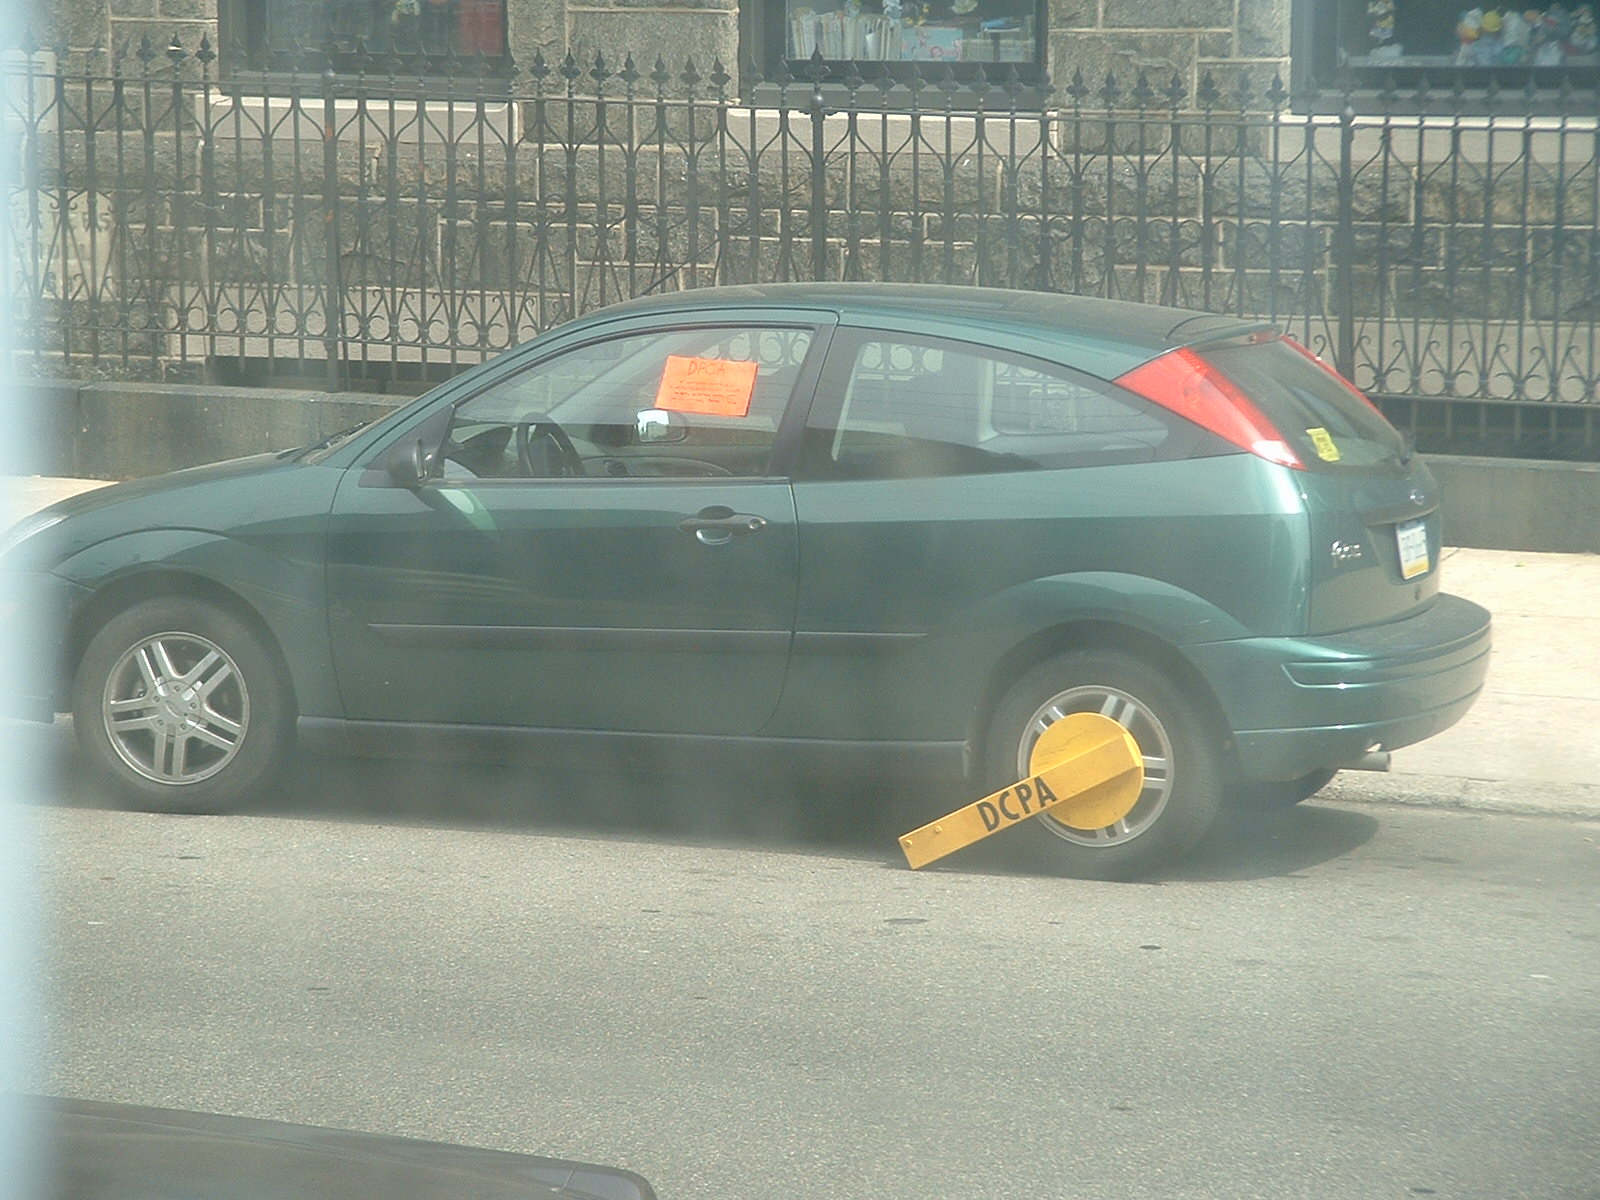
(245, 56)
(791, 416)
(1324, 81)
(763, 39)
(1183, 438)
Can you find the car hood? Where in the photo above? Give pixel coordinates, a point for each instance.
(104, 1151)
(155, 485)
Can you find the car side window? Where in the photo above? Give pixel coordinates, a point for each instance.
(666, 404)
(906, 408)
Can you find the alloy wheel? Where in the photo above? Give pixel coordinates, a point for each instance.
(176, 708)
(1155, 747)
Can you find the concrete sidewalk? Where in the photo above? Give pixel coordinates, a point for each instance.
(1530, 744)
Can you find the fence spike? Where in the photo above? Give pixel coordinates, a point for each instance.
(980, 85)
(690, 76)
(1175, 91)
(1077, 90)
(1207, 95)
(659, 75)
(1277, 94)
(629, 73)
(1143, 94)
(720, 79)
(1110, 91)
(817, 70)
(205, 54)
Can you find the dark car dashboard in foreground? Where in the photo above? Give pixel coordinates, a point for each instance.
(93, 1150)
(915, 524)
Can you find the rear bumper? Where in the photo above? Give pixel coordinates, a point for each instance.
(37, 609)
(1299, 704)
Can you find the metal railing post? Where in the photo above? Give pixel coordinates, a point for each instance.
(333, 293)
(1345, 247)
(819, 184)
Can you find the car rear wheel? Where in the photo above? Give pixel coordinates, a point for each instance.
(1183, 776)
(181, 706)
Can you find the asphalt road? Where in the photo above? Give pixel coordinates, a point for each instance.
(711, 986)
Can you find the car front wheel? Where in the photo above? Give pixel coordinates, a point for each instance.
(1182, 762)
(181, 706)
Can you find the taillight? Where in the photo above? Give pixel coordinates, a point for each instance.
(1183, 382)
(1343, 382)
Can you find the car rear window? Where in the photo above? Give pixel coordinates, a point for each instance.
(1326, 422)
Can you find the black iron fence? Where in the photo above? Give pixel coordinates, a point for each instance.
(170, 223)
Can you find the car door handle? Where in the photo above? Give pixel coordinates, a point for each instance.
(715, 526)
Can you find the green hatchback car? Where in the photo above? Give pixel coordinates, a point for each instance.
(902, 525)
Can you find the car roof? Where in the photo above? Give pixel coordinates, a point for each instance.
(1138, 330)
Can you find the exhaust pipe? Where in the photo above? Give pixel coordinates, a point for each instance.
(1372, 760)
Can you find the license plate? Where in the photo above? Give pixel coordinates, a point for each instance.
(1412, 537)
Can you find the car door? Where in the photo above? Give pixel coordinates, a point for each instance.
(601, 543)
(934, 474)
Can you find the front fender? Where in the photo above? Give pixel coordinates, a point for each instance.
(285, 591)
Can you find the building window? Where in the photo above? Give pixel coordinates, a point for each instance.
(881, 40)
(364, 35)
(1448, 43)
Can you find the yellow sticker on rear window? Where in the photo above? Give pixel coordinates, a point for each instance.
(712, 386)
(1326, 450)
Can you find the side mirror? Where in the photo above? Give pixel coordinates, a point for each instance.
(657, 426)
(408, 463)
(414, 459)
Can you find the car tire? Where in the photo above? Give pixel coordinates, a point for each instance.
(1183, 781)
(1266, 795)
(182, 706)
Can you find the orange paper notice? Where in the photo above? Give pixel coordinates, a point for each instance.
(712, 386)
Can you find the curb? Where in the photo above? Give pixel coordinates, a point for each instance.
(1516, 797)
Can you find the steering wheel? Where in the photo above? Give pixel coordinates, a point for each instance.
(567, 461)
